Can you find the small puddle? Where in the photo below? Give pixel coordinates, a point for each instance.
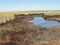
(40, 21)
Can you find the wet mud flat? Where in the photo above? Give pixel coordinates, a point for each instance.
(21, 32)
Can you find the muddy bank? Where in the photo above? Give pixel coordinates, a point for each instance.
(55, 18)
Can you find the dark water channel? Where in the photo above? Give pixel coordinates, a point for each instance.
(40, 21)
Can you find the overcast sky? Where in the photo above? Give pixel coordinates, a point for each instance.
(20, 5)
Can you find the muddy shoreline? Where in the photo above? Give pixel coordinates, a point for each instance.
(55, 18)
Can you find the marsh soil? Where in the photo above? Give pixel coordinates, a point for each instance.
(55, 18)
(20, 32)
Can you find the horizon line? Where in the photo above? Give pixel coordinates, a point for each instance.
(28, 10)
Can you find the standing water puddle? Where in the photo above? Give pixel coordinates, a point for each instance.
(44, 23)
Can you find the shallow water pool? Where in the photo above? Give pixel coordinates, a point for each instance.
(44, 23)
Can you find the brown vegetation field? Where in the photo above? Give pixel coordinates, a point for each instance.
(15, 30)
